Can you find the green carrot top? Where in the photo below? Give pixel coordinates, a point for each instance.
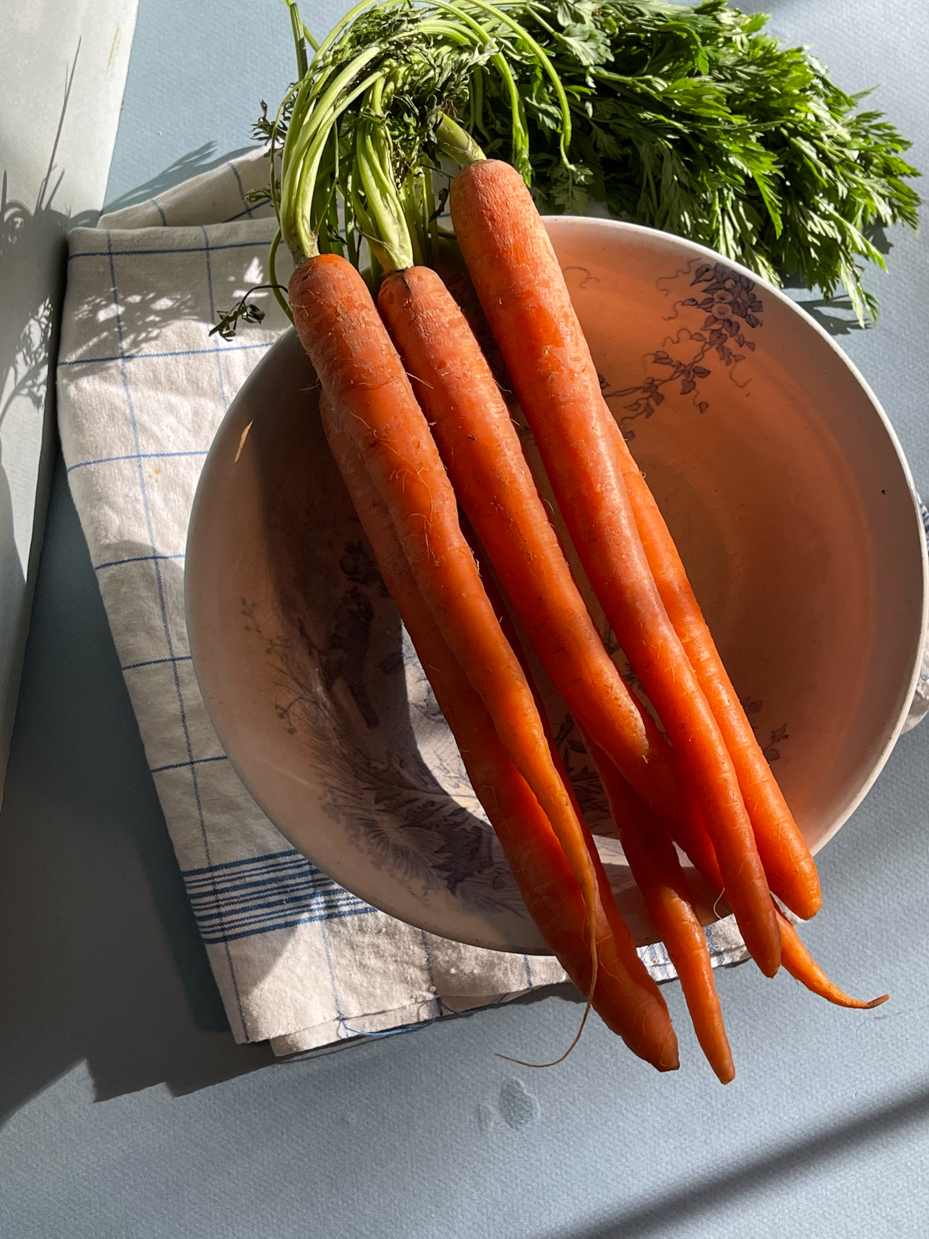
(692, 120)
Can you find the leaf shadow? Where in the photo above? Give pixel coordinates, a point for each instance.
(202, 159)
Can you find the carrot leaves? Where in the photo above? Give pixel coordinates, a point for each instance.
(693, 120)
(696, 121)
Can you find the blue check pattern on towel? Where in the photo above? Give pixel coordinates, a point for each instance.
(142, 388)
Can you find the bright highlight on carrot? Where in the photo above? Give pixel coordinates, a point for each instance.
(482, 453)
(424, 439)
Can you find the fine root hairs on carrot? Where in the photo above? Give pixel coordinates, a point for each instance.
(790, 868)
(482, 453)
(523, 293)
(658, 874)
(242, 437)
(623, 993)
(373, 403)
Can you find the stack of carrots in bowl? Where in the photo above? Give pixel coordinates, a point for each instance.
(421, 426)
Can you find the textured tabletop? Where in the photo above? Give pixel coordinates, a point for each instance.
(126, 1108)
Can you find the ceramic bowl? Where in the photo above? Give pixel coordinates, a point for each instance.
(788, 496)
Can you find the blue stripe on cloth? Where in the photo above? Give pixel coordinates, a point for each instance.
(289, 869)
(283, 891)
(157, 205)
(529, 981)
(238, 180)
(108, 460)
(284, 924)
(239, 880)
(250, 910)
(209, 285)
(339, 1013)
(162, 598)
(138, 559)
(179, 352)
(260, 894)
(262, 202)
(194, 761)
(157, 662)
(186, 249)
(254, 914)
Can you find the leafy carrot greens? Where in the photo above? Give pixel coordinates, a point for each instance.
(693, 120)
(698, 122)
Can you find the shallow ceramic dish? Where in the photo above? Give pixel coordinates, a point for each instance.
(785, 489)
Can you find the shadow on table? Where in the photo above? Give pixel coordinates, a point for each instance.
(772, 1168)
(100, 959)
(836, 314)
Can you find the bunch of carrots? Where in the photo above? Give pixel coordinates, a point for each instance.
(425, 441)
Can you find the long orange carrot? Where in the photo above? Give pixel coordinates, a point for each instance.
(625, 996)
(661, 880)
(493, 483)
(788, 864)
(373, 404)
(523, 293)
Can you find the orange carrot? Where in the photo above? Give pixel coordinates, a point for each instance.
(801, 965)
(625, 996)
(373, 404)
(788, 864)
(661, 880)
(523, 293)
(493, 483)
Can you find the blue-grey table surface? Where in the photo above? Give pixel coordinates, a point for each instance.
(126, 1108)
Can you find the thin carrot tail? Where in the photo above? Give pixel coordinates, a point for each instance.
(795, 957)
(801, 965)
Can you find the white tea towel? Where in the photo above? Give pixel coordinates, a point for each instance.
(142, 389)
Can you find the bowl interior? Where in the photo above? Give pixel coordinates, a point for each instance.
(788, 498)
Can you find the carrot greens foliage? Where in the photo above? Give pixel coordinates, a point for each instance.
(698, 122)
(693, 120)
